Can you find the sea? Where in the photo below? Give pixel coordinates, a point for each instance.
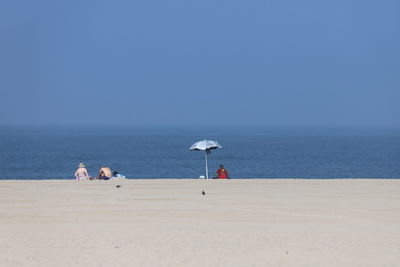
(150, 152)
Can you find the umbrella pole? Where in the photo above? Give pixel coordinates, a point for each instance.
(205, 152)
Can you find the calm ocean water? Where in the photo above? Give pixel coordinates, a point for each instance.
(54, 153)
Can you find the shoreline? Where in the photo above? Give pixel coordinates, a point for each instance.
(210, 179)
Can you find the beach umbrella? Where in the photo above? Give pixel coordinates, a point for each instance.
(206, 146)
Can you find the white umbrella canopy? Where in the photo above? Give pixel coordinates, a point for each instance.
(206, 146)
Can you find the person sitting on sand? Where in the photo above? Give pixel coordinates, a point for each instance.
(222, 173)
(104, 173)
(81, 173)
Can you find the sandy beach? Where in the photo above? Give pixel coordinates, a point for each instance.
(254, 222)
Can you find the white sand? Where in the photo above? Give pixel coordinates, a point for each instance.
(170, 223)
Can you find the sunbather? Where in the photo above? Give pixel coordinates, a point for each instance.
(81, 173)
(104, 173)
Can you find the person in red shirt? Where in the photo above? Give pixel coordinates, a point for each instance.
(222, 173)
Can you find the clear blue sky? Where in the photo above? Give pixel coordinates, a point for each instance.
(323, 63)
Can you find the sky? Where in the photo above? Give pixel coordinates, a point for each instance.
(182, 62)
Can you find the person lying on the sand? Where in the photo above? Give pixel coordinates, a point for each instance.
(81, 173)
(104, 173)
(117, 175)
